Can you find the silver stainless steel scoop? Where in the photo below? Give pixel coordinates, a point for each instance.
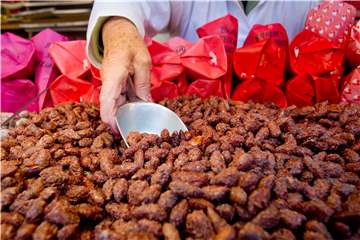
(146, 117)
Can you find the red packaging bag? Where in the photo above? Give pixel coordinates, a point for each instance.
(68, 89)
(227, 28)
(95, 76)
(16, 93)
(300, 91)
(206, 59)
(313, 54)
(93, 95)
(260, 91)
(273, 31)
(17, 57)
(166, 64)
(265, 60)
(350, 92)
(305, 90)
(164, 90)
(353, 48)
(178, 45)
(182, 83)
(205, 88)
(326, 88)
(70, 57)
(45, 70)
(332, 20)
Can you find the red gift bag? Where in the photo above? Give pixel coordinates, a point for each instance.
(167, 72)
(16, 93)
(45, 70)
(300, 91)
(273, 31)
(178, 45)
(353, 48)
(313, 54)
(70, 57)
(164, 90)
(205, 87)
(332, 20)
(227, 28)
(68, 89)
(17, 57)
(95, 76)
(265, 60)
(305, 90)
(206, 59)
(166, 64)
(93, 95)
(327, 88)
(80, 81)
(350, 92)
(260, 91)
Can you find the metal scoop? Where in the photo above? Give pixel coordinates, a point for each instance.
(146, 117)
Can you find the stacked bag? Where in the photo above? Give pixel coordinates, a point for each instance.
(267, 68)
(47, 65)
(317, 54)
(27, 70)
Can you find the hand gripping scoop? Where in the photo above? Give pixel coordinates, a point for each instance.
(146, 117)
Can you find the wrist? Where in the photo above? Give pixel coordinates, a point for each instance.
(117, 28)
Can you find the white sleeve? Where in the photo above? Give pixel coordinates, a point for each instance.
(150, 17)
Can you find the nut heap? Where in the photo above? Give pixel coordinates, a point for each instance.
(244, 171)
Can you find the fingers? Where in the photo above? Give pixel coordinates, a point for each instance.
(142, 64)
(114, 79)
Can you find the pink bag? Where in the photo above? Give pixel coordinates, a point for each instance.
(17, 56)
(332, 20)
(16, 93)
(45, 70)
(353, 48)
(350, 91)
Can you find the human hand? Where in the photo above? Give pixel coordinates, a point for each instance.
(125, 56)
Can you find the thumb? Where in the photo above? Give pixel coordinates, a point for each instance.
(142, 79)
